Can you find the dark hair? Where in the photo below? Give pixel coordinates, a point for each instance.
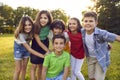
(58, 24)
(78, 23)
(37, 20)
(91, 14)
(58, 36)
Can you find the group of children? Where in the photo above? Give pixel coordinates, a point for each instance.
(69, 47)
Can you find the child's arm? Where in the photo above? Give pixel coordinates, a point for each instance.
(32, 51)
(118, 38)
(44, 71)
(36, 36)
(65, 74)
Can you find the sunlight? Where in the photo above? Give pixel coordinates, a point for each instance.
(72, 8)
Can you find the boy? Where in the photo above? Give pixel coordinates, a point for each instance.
(56, 64)
(95, 41)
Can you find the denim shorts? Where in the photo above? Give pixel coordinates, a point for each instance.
(20, 52)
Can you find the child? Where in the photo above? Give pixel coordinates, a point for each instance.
(96, 46)
(76, 49)
(56, 64)
(40, 42)
(58, 27)
(23, 35)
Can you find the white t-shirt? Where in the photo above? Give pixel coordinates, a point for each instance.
(23, 38)
(90, 44)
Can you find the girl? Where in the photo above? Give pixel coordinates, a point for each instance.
(23, 35)
(76, 48)
(58, 27)
(40, 42)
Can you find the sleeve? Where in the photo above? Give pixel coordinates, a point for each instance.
(66, 36)
(46, 60)
(22, 38)
(50, 35)
(109, 37)
(67, 62)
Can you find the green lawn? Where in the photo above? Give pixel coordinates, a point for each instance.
(7, 60)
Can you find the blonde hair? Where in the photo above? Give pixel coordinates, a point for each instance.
(21, 25)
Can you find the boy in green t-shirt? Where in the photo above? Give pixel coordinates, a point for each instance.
(56, 64)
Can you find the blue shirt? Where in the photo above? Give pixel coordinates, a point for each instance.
(101, 39)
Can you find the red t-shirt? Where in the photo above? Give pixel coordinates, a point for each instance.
(77, 49)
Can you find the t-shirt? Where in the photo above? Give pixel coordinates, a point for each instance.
(56, 64)
(44, 32)
(23, 38)
(76, 47)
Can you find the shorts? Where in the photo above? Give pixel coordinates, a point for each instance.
(35, 59)
(20, 52)
(59, 77)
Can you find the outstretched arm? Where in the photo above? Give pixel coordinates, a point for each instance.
(118, 38)
(36, 36)
(32, 51)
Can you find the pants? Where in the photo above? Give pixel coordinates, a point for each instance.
(76, 65)
(94, 69)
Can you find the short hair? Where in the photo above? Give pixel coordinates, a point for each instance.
(91, 14)
(58, 24)
(58, 36)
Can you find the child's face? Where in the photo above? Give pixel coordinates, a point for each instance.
(73, 26)
(28, 27)
(57, 31)
(89, 23)
(43, 20)
(58, 44)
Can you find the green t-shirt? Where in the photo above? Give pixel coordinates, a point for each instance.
(44, 32)
(55, 65)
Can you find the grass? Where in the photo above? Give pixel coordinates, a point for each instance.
(7, 60)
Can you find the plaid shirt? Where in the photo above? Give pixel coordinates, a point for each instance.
(101, 39)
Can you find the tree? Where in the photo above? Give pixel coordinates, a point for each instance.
(59, 14)
(109, 14)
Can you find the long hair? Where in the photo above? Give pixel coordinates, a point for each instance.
(21, 25)
(37, 20)
(78, 23)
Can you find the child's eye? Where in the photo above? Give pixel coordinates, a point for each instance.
(28, 24)
(91, 21)
(85, 21)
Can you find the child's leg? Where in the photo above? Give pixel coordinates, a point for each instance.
(73, 77)
(99, 74)
(39, 71)
(18, 66)
(24, 67)
(91, 67)
(33, 71)
(78, 66)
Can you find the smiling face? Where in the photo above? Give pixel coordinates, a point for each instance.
(58, 45)
(43, 20)
(73, 26)
(28, 27)
(89, 23)
(57, 31)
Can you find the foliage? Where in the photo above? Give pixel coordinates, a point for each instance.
(7, 61)
(11, 17)
(109, 14)
(59, 14)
